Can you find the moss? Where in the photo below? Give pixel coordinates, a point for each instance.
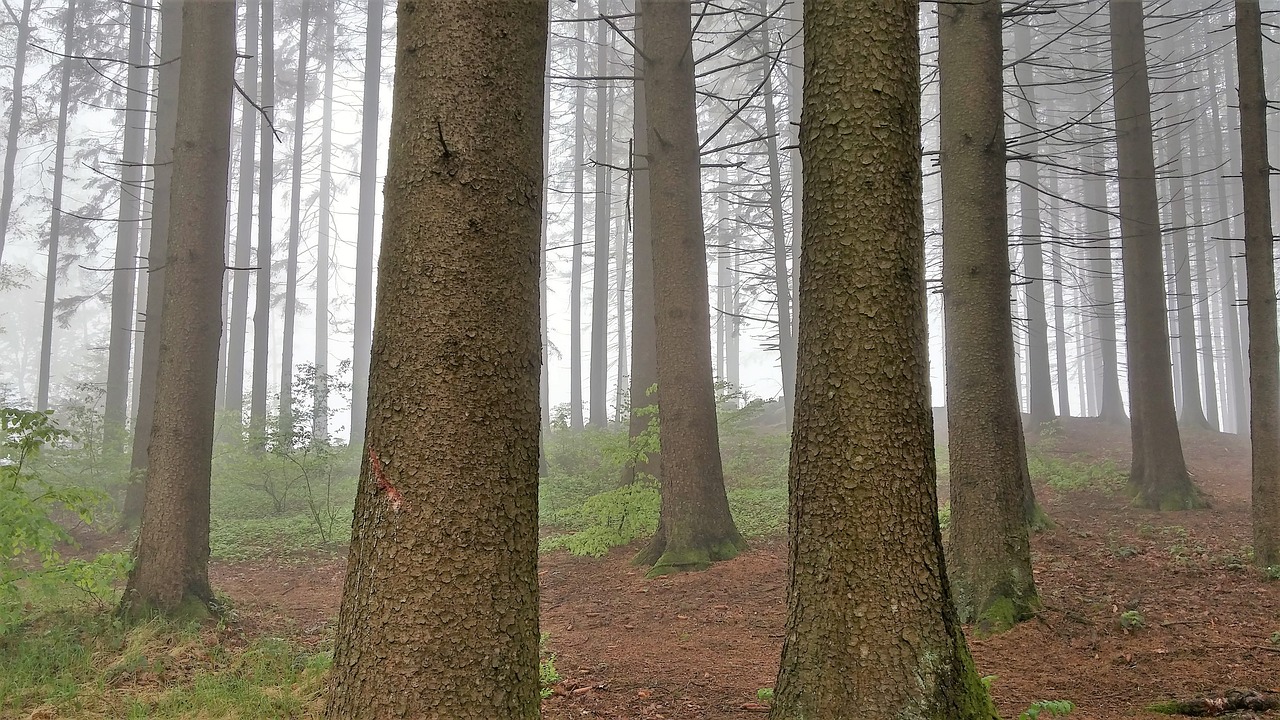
(1187, 497)
(1039, 520)
(693, 559)
(1168, 707)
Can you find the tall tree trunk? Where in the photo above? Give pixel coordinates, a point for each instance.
(1040, 379)
(795, 87)
(694, 526)
(989, 552)
(456, 336)
(115, 405)
(171, 17)
(1264, 352)
(320, 405)
(266, 184)
(644, 332)
(782, 280)
(544, 381)
(1236, 379)
(285, 423)
(1111, 403)
(622, 231)
(871, 630)
(170, 567)
(144, 247)
(236, 337)
(1158, 478)
(579, 218)
(1059, 306)
(723, 279)
(55, 216)
(15, 121)
(1202, 294)
(1193, 415)
(366, 243)
(599, 380)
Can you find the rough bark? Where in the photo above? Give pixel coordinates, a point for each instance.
(239, 308)
(366, 243)
(439, 615)
(694, 526)
(157, 253)
(1158, 477)
(871, 631)
(290, 310)
(15, 121)
(55, 217)
(599, 377)
(170, 569)
(1259, 255)
(989, 552)
(266, 183)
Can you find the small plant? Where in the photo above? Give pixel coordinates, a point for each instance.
(765, 696)
(547, 675)
(607, 520)
(1132, 620)
(1275, 638)
(1050, 708)
(1271, 572)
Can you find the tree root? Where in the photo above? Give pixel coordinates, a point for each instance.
(1231, 701)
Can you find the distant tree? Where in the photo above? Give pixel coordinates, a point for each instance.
(579, 218)
(23, 22)
(439, 614)
(989, 552)
(694, 526)
(324, 238)
(295, 221)
(1102, 290)
(1264, 355)
(266, 185)
(871, 630)
(366, 242)
(1158, 477)
(171, 560)
(599, 376)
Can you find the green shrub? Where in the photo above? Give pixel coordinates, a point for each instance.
(607, 520)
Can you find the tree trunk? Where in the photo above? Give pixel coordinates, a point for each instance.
(171, 16)
(320, 403)
(170, 567)
(1040, 379)
(1236, 376)
(871, 631)
(1188, 360)
(644, 332)
(1111, 403)
(1202, 294)
(1059, 306)
(115, 416)
(55, 217)
(15, 121)
(266, 182)
(599, 381)
(622, 231)
(579, 218)
(285, 422)
(795, 87)
(1264, 354)
(1158, 477)
(694, 526)
(239, 311)
(366, 243)
(781, 278)
(432, 627)
(989, 552)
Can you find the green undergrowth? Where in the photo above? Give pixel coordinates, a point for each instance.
(1069, 475)
(88, 665)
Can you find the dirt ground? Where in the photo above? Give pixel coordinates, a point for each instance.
(701, 645)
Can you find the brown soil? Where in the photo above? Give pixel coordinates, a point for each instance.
(701, 645)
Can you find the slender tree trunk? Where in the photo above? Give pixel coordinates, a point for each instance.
(295, 229)
(1203, 293)
(266, 184)
(579, 218)
(1040, 380)
(1264, 352)
(782, 280)
(694, 526)
(722, 253)
(115, 416)
(1111, 404)
(644, 332)
(795, 87)
(1158, 478)
(55, 217)
(431, 627)
(320, 407)
(171, 17)
(1059, 306)
(366, 242)
(599, 381)
(15, 121)
(1235, 375)
(170, 567)
(236, 337)
(1193, 415)
(871, 630)
(144, 247)
(989, 552)
(621, 257)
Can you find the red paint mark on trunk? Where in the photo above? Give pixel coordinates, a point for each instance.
(380, 476)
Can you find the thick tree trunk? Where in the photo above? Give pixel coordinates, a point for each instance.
(171, 13)
(115, 416)
(320, 403)
(644, 333)
(55, 217)
(871, 631)
(266, 183)
(170, 567)
(1158, 478)
(431, 627)
(285, 420)
(694, 527)
(1259, 254)
(989, 552)
(15, 121)
(579, 218)
(366, 242)
(599, 379)
(239, 310)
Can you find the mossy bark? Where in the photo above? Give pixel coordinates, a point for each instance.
(695, 526)
(439, 615)
(871, 632)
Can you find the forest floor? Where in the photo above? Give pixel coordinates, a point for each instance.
(1139, 607)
